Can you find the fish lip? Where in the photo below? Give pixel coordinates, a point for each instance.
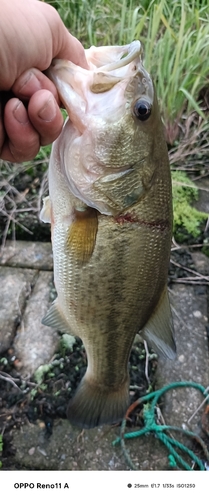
(134, 50)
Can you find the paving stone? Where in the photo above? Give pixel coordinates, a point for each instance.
(15, 288)
(192, 362)
(70, 449)
(28, 254)
(201, 263)
(35, 343)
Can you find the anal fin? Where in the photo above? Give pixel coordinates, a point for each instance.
(159, 329)
(56, 320)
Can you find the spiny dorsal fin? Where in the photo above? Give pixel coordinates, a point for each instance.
(158, 331)
(82, 234)
(55, 319)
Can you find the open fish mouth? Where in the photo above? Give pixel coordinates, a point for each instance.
(104, 69)
(105, 76)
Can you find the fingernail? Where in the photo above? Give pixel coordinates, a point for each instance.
(48, 112)
(27, 84)
(20, 114)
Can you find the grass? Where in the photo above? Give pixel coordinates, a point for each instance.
(175, 37)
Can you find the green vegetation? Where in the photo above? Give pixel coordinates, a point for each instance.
(174, 36)
(187, 220)
(65, 346)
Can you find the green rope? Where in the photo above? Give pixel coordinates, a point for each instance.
(175, 459)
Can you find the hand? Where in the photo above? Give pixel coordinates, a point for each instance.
(31, 35)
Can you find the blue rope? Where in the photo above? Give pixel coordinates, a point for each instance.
(160, 430)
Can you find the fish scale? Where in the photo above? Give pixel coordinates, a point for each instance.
(111, 214)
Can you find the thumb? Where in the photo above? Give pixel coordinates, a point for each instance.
(71, 49)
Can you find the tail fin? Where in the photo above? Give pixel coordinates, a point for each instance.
(93, 405)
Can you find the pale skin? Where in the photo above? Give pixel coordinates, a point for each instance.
(31, 35)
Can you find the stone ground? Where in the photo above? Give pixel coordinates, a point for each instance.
(26, 282)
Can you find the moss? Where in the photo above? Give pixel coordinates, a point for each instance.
(185, 217)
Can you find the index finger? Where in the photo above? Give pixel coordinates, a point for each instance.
(72, 50)
(31, 81)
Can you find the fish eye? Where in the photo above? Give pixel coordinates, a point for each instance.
(142, 109)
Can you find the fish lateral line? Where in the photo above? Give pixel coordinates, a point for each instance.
(160, 224)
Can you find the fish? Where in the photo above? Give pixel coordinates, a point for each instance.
(110, 209)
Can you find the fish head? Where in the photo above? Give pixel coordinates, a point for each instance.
(114, 128)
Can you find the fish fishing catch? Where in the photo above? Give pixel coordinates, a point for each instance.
(110, 209)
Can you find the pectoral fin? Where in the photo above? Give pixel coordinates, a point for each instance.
(82, 234)
(55, 319)
(158, 331)
(45, 214)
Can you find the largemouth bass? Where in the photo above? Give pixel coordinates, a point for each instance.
(110, 210)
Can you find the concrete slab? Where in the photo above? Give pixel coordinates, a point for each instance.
(15, 288)
(27, 254)
(192, 362)
(35, 343)
(201, 262)
(70, 449)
